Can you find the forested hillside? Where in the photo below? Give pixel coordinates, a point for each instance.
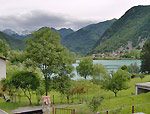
(83, 40)
(133, 26)
(13, 42)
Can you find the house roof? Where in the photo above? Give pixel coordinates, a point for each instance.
(3, 58)
(146, 84)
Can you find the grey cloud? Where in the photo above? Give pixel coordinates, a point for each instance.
(36, 19)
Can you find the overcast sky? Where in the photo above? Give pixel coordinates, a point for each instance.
(32, 14)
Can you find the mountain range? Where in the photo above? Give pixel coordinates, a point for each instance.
(133, 28)
(83, 40)
(22, 35)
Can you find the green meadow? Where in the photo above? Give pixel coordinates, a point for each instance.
(120, 104)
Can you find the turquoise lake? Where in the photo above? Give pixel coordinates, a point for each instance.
(110, 64)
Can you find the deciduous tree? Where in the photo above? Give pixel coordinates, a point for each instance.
(116, 82)
(27, 81)
(98, 73)
(44, 50)
(85, 67)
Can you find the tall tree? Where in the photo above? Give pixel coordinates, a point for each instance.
(4, 48)
(45, 50)
(145, 57)
(85, 67)
(63, 85)
(116, 82)
(62, 80)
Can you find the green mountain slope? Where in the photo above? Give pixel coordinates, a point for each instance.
(64, 32)
(83, 40)
(13, 42)
(133, 26)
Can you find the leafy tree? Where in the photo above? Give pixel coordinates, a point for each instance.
(94, 104)
(62, 81)
(141, 76)
(8, 86)
(27, 81)
(16, 57)
(63, 85)
(85, 67)
(98, 73)
(46, 52)
(10, 69)
(7, 83)
(4, 48)
(135, 53)
(116, 82)
(124, 67)
(133, 68)
(145, 58)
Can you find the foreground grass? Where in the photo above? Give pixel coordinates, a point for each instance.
(121, 104)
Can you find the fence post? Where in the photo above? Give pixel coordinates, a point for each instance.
(53, 99)
(106, 112)
(73, 111)
(132, 109)
(53, 110)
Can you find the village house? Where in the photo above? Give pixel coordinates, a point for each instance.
(142, 87)
(2, 67)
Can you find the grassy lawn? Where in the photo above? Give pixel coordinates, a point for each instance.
(122, 103)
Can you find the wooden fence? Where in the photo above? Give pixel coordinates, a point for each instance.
(63, 111)
(133, 111)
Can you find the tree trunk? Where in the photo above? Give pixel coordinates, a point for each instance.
(46, 85)
(62, 97)
(19, 97)
(68, 99)
(72, 98)
(29, 97)
(115, 94)
(38, 101)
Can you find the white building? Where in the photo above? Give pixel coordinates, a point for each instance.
(2, 67)
(142, 87)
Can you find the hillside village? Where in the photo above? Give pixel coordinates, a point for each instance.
(120, 51)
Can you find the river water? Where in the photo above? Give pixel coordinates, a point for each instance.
(110, 64)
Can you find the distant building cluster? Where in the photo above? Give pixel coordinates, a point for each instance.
(120, 51)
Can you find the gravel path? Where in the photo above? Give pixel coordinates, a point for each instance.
(3, 112)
